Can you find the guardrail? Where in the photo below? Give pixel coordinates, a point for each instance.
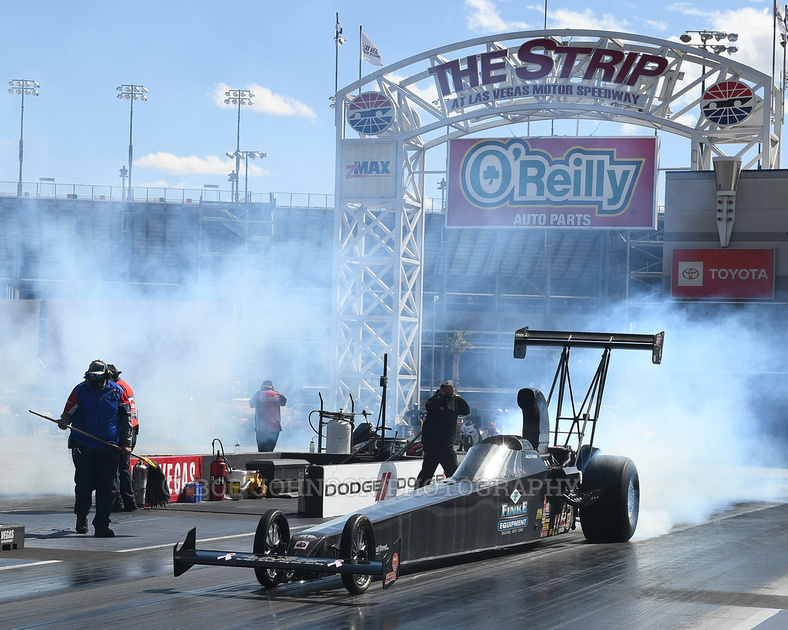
(49, 189)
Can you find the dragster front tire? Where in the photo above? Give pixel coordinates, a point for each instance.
(271, 539)
(357, 544)
(614, 516)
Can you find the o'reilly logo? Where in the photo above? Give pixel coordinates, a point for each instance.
(496, 172)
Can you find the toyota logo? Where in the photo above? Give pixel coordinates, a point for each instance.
(690, 273)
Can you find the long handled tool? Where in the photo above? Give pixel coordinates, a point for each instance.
(156, 493)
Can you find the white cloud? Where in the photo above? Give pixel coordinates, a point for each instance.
(267, 102)
(193, 165)
(588, 19)
(483, 16)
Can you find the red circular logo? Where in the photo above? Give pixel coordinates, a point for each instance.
(395, 561)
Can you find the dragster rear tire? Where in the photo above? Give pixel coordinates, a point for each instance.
(614, 516)
(357, 544)
(271, 539)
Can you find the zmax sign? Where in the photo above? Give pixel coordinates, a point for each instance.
(552, 182)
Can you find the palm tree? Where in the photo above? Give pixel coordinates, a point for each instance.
(457, 344)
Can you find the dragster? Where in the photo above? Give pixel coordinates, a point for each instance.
(507, 492)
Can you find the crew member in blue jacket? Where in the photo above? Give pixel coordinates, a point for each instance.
(99, 407)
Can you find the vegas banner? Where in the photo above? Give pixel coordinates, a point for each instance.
(553, 182)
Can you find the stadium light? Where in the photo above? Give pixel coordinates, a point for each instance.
(238, 97)
(23, 87)
(246, 156)
(717, 49)
(718, 36)
(132, 93)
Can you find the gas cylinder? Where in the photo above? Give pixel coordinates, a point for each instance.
(338, 436)
(218, 474)
(139, 482)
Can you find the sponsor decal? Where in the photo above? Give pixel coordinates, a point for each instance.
(367, 486)
(563, 522)
(546, 59)
(545, 518)
(301, 544)
(514, 510)
(228, 556)
(6, 535)
(494, 172)
(714, 273)
(370, 113)
(515, 496)
(178, 471)
(552, 182)
(728, 103)
(381, 548)
(368, 168)
(385, 481)
(512, 524)
(390, 577)
(336, 563)
(394, 561)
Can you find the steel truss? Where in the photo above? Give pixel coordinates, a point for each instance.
(379, 242)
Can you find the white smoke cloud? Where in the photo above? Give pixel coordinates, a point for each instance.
(702, 427)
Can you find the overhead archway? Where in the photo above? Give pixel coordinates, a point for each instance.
(388, 122)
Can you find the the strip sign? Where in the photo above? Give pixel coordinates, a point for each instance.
(544, 67)
(723, 273)
(554, 182)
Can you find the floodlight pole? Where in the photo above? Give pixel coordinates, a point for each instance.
(22, 87)
(238, 97)
(132, 93)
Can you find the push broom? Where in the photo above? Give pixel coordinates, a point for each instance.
(156, 493)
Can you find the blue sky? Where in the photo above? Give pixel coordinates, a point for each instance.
(188, 53)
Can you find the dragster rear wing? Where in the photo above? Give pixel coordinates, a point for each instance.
(525, 337)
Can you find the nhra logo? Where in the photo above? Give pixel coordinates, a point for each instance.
(495, 172)
(727, 103)
(370, 113)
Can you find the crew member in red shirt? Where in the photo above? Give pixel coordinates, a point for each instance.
(125, 500)
(267, 416)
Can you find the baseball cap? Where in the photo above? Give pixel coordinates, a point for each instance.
(97, 369)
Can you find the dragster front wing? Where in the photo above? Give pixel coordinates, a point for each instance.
(186, 555)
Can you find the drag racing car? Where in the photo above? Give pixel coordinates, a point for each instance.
(508, 491)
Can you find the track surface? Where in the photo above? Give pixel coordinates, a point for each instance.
(730, 573)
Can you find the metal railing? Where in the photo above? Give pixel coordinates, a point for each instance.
(47, 188)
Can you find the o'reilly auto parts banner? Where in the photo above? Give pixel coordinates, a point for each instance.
(723, 273)
(553, 182)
